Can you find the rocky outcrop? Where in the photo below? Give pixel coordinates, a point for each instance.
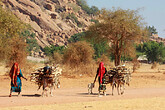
(48, 19)
(156, 38)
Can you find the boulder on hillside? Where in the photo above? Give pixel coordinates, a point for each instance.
(50, 7)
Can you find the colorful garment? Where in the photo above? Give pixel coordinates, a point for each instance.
(15, 75)
(19, 83)
(101, 71)
(14, 72)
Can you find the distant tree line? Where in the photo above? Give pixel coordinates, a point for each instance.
(154, 51)
(89, 10)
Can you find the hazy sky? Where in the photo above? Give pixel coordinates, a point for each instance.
(153, 11)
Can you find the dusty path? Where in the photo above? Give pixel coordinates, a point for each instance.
(74, 95)
(146, 92)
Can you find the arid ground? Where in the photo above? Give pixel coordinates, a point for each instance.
(146, 92)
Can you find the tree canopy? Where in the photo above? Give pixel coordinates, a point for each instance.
(152, 30)
(154, 51)
(121, 28)
(12, 46)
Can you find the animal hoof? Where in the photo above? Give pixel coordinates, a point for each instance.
(58, 86)
(99, 96)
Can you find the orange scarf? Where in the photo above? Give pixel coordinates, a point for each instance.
(14, 72)
(101, 71)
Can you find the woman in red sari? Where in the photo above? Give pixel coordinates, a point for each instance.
(15, 75)
(100, 73)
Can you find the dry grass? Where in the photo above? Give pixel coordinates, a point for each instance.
(156, 103)
(145, 77)
(87, 70)
(154, 65)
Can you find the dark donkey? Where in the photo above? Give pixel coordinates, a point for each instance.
(117, 79)
(47, 82)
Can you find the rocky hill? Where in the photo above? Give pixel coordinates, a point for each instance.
(156, 38)
(53, 21)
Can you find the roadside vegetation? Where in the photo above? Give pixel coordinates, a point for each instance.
(120, 36)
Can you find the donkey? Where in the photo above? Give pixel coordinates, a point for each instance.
(120, 80)
(48, 83)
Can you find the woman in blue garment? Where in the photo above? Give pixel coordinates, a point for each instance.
(15, 75)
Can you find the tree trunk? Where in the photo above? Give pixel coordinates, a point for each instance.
(117, 54)
(117, 59)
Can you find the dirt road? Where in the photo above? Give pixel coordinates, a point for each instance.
(146, 92)
(70, 95)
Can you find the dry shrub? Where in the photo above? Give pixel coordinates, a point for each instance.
(106, 61)
(79, 53)
(80, 71)
(18, 51)
(154, 65)
(57, 58)
(78, 58)
(14, 51)
(164, 73)
(136, 65)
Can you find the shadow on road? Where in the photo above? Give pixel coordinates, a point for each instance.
(90, 95)
(33, 95)
(23, 95)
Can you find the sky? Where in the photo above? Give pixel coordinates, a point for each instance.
(153, 11)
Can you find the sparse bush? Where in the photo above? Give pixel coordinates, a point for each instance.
(57, 58)
(16, 51)
(50, 50)
(76, 37)
(31, 41)
(12, 46)
(105, 60)
(74, 19)
(79, 53)
(136, 65)
(59, 9)
(95, 21)
(83, 4)
(154, 65)
(75, 7)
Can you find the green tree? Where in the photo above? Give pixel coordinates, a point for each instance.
(94, 10)
(152, 30)
(12, 46)
(32, 44)
(50, 50)
(154, 51)
(100, 47)
(77, 37)
(83, 4)
(121, 28)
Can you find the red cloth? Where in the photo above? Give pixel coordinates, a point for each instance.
(101, 71)
(14, 72)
